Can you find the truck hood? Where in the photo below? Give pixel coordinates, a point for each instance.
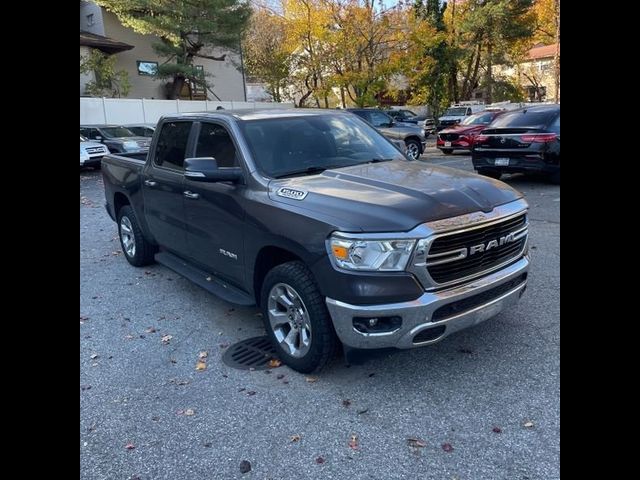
(391, 196)
(451, 117)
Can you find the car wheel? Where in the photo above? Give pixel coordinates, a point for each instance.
(413, 149)
(490, 173)
(447, 151)
(296, 318)
(137, 250)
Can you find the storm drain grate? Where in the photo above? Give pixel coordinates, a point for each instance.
(250, 353)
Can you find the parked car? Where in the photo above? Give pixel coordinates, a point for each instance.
(412, 136)
(116, 138)
(457, 113)
(460, 136)
(316, 218)
(526, 140)
(91, 153)
(428, 124)
(142, 129)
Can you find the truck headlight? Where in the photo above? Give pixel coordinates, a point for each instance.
(384, 255)
(130, 145)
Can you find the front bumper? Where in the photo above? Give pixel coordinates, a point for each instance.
(467, 305)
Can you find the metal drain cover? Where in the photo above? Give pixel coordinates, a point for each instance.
(250, 353)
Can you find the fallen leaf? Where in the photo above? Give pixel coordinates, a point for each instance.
(295, 438)
(280, 376)
(189, 412)
(85, 387)
(241, 389)
(274, 363)
(267, 372)
(155, 418)
(353, 442)
(319, 460)
(202, 355)
(346, 403)
(360, 412)
(83, 318)
(166, 338)
(94, 356)
(465, 350)
(208, 445)
(245, 466)
(129, 446)
(286, 382)
(416, 442)
(371, 374)
(151, 330)
(311, 379)
(251, 392)
(223, 345)
(528, 424)
(201, 366)
(496, 430)
(179, 412)
(447, 447)
(129, 337)
(173, 360)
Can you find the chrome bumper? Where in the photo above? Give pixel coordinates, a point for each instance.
(416, 315)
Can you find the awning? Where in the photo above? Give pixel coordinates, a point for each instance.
(105, 44)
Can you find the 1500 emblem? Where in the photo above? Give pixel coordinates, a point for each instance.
(291, 193)
(228, 254)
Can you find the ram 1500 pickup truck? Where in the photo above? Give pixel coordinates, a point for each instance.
(324, 224)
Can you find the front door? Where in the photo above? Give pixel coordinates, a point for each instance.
(214, 211)
(163, 187)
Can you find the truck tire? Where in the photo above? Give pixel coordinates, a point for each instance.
(447, 151)
(413, 149)
(490, 173)
(137, 250)
(296, 318)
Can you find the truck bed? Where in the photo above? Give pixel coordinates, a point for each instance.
(122, 173)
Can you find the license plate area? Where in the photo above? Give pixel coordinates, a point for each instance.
(501, 162)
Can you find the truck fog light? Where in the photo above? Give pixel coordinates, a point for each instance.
(376, 324)
(373, 322)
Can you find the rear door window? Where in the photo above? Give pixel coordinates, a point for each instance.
(214, 141)
(172, 144)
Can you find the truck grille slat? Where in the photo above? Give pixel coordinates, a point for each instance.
(479, 261)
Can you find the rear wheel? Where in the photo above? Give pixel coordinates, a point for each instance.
(137, 250)
(447, 151)
(296, 318)
(413, 149)
(490, 173)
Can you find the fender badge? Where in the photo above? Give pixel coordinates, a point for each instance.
(291, 193)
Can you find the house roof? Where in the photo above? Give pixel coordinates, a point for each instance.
(542, 51)
(106, 44)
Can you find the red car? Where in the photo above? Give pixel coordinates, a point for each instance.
(460, 136)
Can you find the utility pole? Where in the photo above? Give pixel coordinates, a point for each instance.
(244, 83)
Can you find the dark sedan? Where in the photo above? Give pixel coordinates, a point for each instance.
(461, 135)
(525, 141)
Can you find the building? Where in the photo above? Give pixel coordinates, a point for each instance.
(102, 30)
(535, 74)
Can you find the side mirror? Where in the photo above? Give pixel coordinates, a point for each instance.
(205, 169)
(98, 138)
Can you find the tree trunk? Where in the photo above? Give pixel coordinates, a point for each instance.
(176, 87)
(342, 99)
(556, 59)
(489, 80)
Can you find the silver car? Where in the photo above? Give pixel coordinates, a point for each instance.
(91, 153)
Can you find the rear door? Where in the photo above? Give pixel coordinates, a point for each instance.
(163, 186)
(214, 210)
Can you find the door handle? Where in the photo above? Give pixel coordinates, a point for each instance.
(192, 195)
(150, 183)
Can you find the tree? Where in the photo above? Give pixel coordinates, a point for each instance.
(108, 82)
(556, 59)
(187, 29)
(267, 54)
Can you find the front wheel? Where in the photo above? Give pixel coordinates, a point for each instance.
(413, 149)
(296, 318)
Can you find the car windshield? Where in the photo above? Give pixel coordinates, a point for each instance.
(82, 139)
(524, 118)
(408, 113)
(456, 112)
(478, 119)
(115, 132)
(305, 145)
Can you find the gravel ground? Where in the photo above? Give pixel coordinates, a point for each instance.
(478, 391)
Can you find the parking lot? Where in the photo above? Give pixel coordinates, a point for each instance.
(482, 404)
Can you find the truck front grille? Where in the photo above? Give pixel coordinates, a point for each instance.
(455, 256)
(449, 136)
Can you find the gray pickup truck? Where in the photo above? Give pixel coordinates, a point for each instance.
(324, 224)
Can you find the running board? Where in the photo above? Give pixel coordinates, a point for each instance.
(205, 280)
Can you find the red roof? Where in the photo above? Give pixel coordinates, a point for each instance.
(542, 51)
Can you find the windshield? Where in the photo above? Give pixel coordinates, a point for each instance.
(524, 118)
(310, 144)
(455, 112)
(408, 113)
(478, 119)
(115, 132)
(82, 139)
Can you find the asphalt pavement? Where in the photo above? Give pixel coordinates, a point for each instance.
(482, 404)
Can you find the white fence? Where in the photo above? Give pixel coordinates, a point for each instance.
(141, 110)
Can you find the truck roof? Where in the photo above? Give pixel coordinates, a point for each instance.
(247, 114)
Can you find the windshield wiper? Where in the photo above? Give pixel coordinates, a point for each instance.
(378, 160)
(309, 171)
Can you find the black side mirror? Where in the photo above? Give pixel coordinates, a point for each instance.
(205, 169)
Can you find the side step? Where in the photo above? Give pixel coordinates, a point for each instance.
(216, 286)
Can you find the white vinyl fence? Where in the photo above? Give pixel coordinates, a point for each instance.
(141, 110)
